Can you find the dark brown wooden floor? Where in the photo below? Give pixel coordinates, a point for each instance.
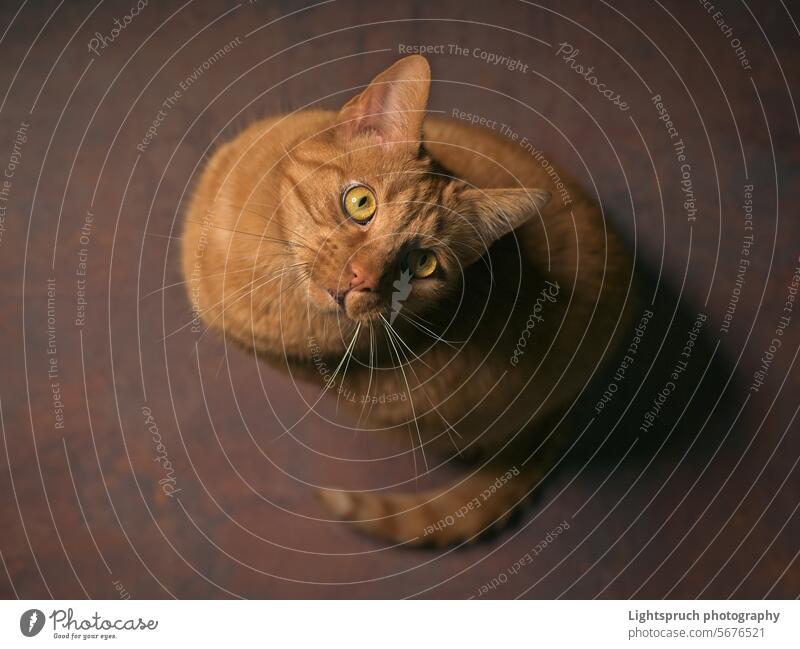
(704, 503)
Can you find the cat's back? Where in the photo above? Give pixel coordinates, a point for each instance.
(571, 243)
(259, 148)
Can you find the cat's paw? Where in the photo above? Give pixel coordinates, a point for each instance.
(433, 518)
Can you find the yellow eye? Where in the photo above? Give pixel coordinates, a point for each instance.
(359, 203)
(421, 263)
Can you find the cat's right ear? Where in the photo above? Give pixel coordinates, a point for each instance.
(392, 107)
(489, 214)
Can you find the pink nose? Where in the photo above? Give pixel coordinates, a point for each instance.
(362, 279)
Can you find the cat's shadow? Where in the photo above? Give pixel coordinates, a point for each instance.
(670, 403)
(661, 413)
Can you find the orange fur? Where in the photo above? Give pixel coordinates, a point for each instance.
(266, 240)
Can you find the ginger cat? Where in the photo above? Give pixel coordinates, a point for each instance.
(435, 266)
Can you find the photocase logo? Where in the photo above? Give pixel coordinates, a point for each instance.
(402, 289)
(31, 622)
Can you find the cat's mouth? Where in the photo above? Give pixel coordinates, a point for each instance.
(360, 306)
(338, 298)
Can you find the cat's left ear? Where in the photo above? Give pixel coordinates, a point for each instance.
(488, 214)
(392, 107)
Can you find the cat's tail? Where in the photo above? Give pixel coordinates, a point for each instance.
(481, 503)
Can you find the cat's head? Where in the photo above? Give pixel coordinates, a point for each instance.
(381, 223)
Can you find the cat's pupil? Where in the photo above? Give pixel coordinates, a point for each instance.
(423, 260)
(363, 201)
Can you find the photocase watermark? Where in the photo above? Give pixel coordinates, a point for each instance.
(506, 131)
(342, 392)
(172, 100)
(14, 160)
(473, 504)
(679, 149)
(548, 294)
(81, 270)
(525, 560)
(671, 385)
(121, 591)
(31, 622)
(748, 239)
(197, 269)
(52, 358)
(655, 623)
(665, 117)
(569, 54)
(736, 45)
(626, 362)
(785, 319)
(168, 483)
(102, 41)
(478, 53)
(66, 626)
(402, 289)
